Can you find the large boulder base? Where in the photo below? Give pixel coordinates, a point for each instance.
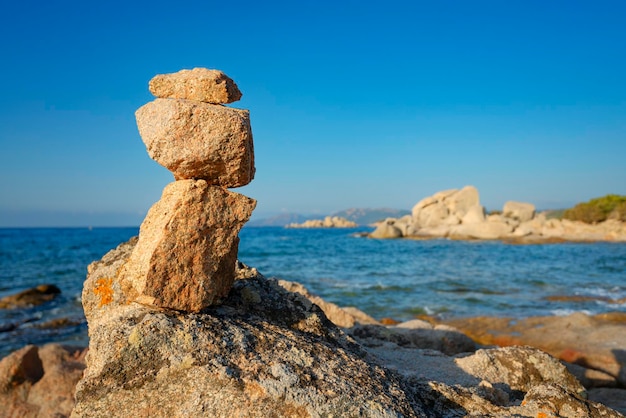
(187, 249)
(269, 352)
(199, 84)
(198, 140)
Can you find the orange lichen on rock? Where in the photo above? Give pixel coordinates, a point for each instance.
(104, 290)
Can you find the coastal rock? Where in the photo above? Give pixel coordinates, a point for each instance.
(432, 215)
(63, 367)
(475, 214)
(386, 230)
(405, 225)
(484, 230)
(518, 210)
(187, 249)
(441, 231)
(20, 367)
(199, 84)
(612, 397)
(327, 222)
(518, 369)
(199, 141)
(342, 317)
(458, 214)
(263, 352)
(591, 378)
(447, 340)
(269, 352)
(461, 201)
(40, 382)
(446, 208)
(30, 297)
(560, 336)
(610, 230)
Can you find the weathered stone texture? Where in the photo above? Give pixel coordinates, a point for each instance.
(187, 249)
(263, 352)
(518, 210)
(269, 352)
(199, 141)
(199, 84)
(39, 382)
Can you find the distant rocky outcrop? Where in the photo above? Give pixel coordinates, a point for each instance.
(280, 220)
(360, 216)
(327, 222)
(458, 214)
(367, 216)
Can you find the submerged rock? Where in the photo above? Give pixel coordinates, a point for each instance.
(30, 297)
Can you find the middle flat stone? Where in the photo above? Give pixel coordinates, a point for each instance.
(196, 140)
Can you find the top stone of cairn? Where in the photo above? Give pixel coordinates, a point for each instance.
(199, 84)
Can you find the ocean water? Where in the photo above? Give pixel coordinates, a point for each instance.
(385, 278)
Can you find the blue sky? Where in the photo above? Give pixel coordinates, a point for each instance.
(353, 103)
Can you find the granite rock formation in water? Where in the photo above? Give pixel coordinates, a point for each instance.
(458, 214)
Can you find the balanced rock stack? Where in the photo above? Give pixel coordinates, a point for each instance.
(187, 250)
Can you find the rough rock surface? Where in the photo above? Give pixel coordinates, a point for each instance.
(198, 140)
(485, 230)
(344, 317)
(602, 347)
(200, 84)
(269, 352)
(263, 352)
(187, 249)
(40, 382)
(386, 230)
(524, 212)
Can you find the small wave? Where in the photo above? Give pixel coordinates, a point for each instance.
(566, 312)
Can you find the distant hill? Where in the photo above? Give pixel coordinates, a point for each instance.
(366, 216)
(282, 219)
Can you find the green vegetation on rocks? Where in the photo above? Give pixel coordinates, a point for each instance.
(611, 206)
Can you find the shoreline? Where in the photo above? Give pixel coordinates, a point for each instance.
(584, 344)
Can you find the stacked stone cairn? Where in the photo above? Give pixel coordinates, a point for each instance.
(186, 255)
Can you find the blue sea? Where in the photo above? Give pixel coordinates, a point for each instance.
(396, 279)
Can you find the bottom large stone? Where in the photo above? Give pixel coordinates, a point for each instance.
(187, 249)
